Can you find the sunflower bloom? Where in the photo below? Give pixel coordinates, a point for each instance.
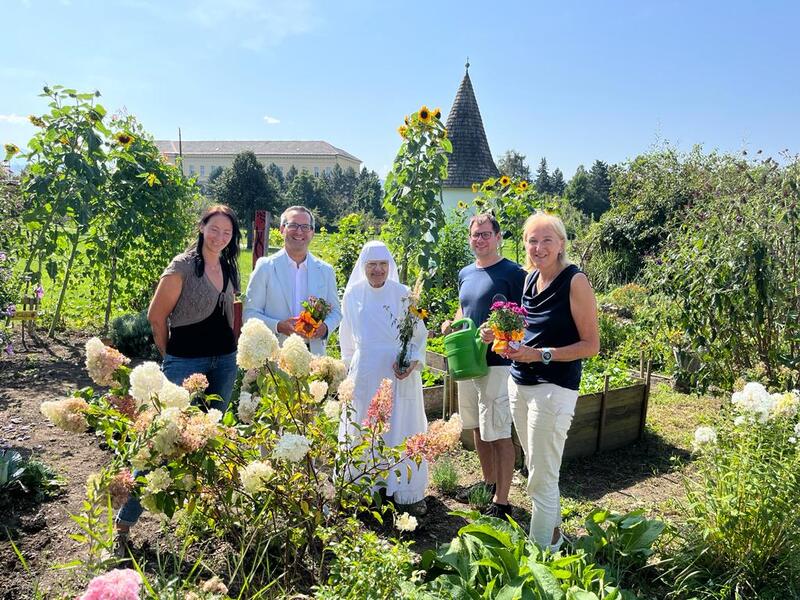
(11, 150)
(125, 139)
(37, 121)
(475, 188)
(152, 179)
(462, 205)
(437, 113)
(402, 130)
(523, 185)
(424, 114)
(505, 180)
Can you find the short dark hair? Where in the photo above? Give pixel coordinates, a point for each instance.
(482, 218)
(297, 208)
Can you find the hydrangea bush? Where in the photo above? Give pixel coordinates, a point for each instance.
(743, 526)
(273, 462)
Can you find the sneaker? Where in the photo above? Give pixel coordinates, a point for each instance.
(464, 495)
(499, 511)
(562, 539)
(416, 509)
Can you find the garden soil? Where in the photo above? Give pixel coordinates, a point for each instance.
(640, 476)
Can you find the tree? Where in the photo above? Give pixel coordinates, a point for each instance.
(557, 183)
(245, 187)
(274, 171)
(368, 194)
(542, 183)
(598, 198)
(311, 192)
(513, 164)
(577, 190)
(291, 173)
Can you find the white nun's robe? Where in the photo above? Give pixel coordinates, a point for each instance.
(368, 339)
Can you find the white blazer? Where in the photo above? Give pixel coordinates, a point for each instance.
(269, 294)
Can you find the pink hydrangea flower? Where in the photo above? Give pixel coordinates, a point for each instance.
(380, 408)
(119, 584)
(195, 383)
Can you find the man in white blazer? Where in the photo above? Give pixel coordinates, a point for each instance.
(282, 281)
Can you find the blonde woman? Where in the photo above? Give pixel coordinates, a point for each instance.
(561, 330)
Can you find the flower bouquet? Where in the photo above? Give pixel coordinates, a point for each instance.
(405, 325)
(311, 317)
(507, 321)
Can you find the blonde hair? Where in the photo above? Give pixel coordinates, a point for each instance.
(556, 224)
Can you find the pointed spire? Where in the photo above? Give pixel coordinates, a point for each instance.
(471, 160)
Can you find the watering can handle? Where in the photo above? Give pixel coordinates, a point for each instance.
(456, 325)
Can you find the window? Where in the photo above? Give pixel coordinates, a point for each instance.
(328, 171)
(316, 171)
(202, 170)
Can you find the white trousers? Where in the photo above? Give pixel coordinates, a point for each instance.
(542, 415)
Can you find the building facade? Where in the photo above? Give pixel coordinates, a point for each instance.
(200, 158)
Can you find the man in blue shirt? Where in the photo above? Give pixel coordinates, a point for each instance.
(483, 402)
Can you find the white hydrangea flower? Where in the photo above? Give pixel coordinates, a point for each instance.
(792, 439)
(247, 407)
(157, 481)
(166, 437)
(172, 395)
(295, 357)
(332, 409)
(146, 380)
(257, 343)
(214, 415)
(291, 447)
(754, 398)
(704, 436)
(318, 390)
(405, 522)
(785, 404)
(739, 420)
(346, 390)
(797, 430)
(255, 475)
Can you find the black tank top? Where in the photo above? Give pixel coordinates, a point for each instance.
(549, 324)
(210, 337)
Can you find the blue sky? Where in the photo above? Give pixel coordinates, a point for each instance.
(572, 81)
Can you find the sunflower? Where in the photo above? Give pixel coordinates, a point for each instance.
(11, 150)
(424, 114)
(38, 122)
(523, 185)
(152, 179)
(406, 120)
(402, 130)
(420, 312)
(437, 113)
(475, 188)
(125, 139)
(462, 205)
(505, 180)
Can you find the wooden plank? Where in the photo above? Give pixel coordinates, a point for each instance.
(645, 400)
(24, 315)
(436, 360)
(601, 422)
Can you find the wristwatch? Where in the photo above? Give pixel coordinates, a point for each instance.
(547, 355)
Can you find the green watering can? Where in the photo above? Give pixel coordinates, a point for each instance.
(466, 353)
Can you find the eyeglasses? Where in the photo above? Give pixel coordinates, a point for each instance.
(295, 226)
(484, 235)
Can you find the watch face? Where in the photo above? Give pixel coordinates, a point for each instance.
(546, 355)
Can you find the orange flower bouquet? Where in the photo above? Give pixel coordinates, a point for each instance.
(311, 317)
(507, 321)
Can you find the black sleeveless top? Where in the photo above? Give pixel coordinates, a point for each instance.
(212, 336)
(549, 324)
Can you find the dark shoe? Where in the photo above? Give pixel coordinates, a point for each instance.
(499, 511)
(464, 495)
(417, 509)
(122, 546)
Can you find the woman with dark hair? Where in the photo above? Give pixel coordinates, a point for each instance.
(191, 315)
(192, 310)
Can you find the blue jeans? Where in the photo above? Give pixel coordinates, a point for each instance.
(221, 372)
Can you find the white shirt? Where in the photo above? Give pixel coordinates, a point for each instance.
(299, 275)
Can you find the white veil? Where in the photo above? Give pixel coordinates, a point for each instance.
(373, 250)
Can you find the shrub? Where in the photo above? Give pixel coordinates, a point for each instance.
(595, 370)
(131, 334)
(25, 477)
(365, 567)
(742, 533)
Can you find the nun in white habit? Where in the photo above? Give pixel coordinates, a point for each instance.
(373, 304)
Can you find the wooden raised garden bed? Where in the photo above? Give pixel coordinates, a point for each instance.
(603, 421)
